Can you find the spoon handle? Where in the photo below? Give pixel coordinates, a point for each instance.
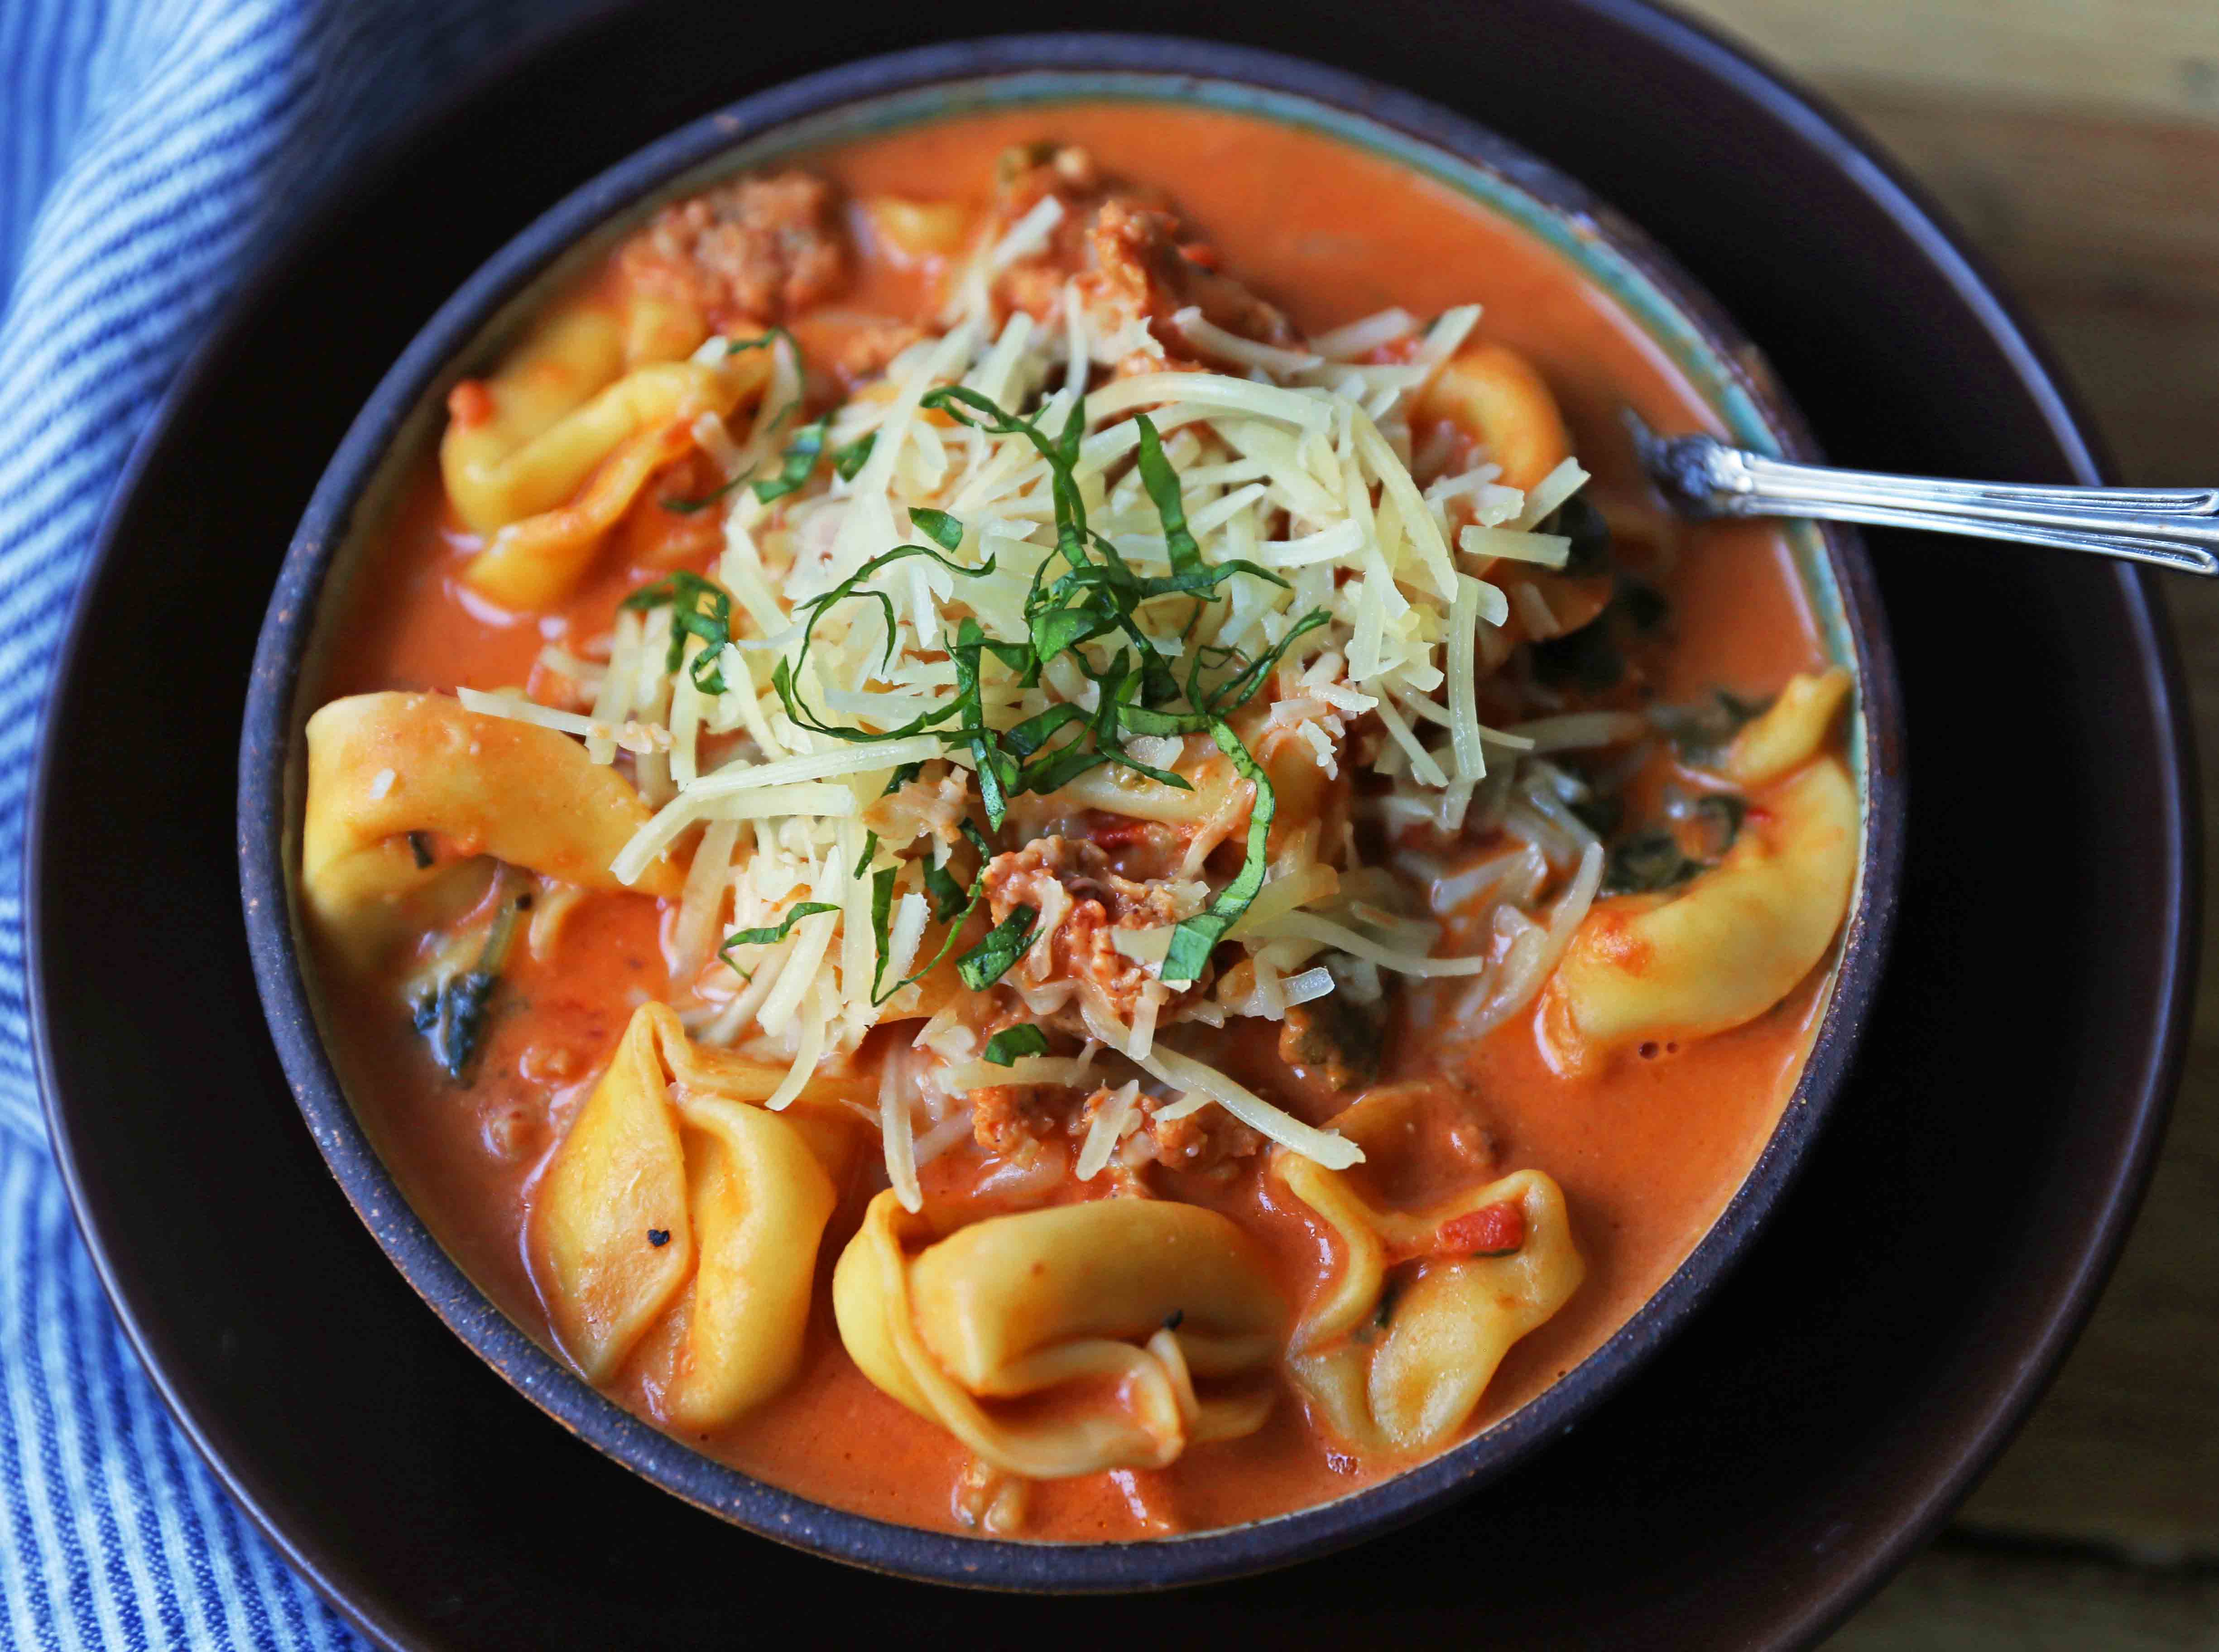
(2170, 527)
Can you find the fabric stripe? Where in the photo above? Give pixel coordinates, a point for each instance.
(151, 147)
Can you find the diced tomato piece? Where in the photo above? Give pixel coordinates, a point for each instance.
(470, 403)
(1498, 1229)
(1114, 831)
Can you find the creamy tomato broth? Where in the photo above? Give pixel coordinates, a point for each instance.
(908, 1081)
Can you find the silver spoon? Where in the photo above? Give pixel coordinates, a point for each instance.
(2168, 527)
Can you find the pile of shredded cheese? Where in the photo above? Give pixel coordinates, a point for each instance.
(1297, 461)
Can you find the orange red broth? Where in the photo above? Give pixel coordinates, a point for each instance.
(1648, 1152)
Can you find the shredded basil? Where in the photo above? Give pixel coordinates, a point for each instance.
(1084, 592)
(1578, 520)
(800, 459)
(1646, 608)
(783, 675)
(946, 531)
(1701, 731)
(882, 909)
(1196, 937)
(1006, 942)
(698, 607)
(1586, 659)
(1724, 813)
(771, 935)
(1006, 1045)
(847, 461)
(703, 501)
(452, 1016)
(763, 341)
(1646, 862)
(882, 902)
(1601, 815)
(947, 895)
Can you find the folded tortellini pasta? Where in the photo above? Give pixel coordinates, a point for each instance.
(1132, 1328)
(550, 451)
(1725, 949)
(1495, 396)
(386, 770)
(608, 447)
(680, 1220)
(1406, 1373)
(1790, 731)
(486, 457)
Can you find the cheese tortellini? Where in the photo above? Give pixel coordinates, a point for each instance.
(563, 414)
(680, 1217)
(1495, 396)
(1725, 950)
(1406, 1373)
(1133, 1328)
(386, 770)
(1790, 731)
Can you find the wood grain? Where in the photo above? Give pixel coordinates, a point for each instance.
(1959, 1600)
(2107, 228)
(2155, 59)
(2076, 141)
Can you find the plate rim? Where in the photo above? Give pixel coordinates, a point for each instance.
(895, 87)
(1832, 142)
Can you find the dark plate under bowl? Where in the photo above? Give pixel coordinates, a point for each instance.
(1767, 1471)
(340, 541)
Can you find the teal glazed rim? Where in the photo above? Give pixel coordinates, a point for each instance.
(394, 428)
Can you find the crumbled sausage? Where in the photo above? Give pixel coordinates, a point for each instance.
(1003, 1117)
(1200, 1141)
(511, 1129)
(1081, 904)
(864, 351)
(1127, 246)
(749, 252)
(1123, 1176)
(1135, 252)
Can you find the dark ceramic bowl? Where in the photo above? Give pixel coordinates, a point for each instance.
(396, 431)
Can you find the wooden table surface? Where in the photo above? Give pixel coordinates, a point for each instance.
(2078, 142)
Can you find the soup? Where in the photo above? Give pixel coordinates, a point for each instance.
(1031, 829)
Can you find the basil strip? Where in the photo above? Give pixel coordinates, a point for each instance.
(452, 1016)
(1006, 1045)
(1033, 733)
(1006, 942)
(687, 506)
(870, 853)
(698, 607)
(800, 459)
(1237, 691)
(783, 673)
(1163, 485)
(945, 529)
(734, 347)
(1197, 937)
(954, 928)
(769, 936)
(763, 341)
(947, 894)
(882, 906)
(850, 460)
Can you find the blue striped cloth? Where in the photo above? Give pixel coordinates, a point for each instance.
(148, 150)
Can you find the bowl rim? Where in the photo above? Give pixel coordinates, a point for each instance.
(271, 730)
